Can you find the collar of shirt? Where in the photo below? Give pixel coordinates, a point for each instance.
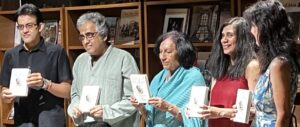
(41, 46)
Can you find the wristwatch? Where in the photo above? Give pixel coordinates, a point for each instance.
(45, 83)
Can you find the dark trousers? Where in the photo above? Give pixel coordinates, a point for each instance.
(95, 124)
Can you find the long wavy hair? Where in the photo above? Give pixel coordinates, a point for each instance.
(219, 64)
(275, 31)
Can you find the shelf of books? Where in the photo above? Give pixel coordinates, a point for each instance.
(53, 32)
(125, 21)
(199, 19)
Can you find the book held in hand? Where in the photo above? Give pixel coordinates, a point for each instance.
(18, 84)
(89, 98)
(243, 103)
(198, 98)
(140, 87)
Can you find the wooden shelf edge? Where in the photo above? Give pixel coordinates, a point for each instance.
(75, 47)
(103, 6)
(202, 44)
(4, 49)
(51, 9)
(292, 9)
(126, 46)
(10, 12)
(7, 122)
(178, 2)
(151, 45)
(196, 44)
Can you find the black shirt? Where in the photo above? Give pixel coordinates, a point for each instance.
(48, 59)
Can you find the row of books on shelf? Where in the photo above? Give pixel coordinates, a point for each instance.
(123, 30)
(205, 20)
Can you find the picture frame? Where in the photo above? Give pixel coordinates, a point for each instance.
(17, 37)
(50, 31)
(128, 27)
(176, 19)
(204, 23)
(112, 23)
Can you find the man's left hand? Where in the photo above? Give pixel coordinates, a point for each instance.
(97, 111)
(35, 80)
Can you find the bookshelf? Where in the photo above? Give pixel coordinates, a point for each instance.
(73, 45)
(154, 27)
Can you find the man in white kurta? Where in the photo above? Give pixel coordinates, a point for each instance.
(110, 71)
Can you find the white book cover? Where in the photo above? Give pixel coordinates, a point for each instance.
(89, 98)
(18, 84)
(243, 103)
(199, 97)
(140, 87)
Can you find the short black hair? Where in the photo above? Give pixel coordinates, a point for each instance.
(30, 9)
(185, 50)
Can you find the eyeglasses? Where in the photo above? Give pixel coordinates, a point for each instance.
(28, 26)
(88, 36)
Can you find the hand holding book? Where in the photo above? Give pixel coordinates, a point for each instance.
(7, 96)
(97, 111)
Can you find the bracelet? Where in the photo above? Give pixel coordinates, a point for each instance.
(46, 84)
(177, 115)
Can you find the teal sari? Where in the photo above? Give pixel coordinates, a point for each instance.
(177, 92)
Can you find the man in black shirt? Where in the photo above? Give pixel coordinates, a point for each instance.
(50, 78)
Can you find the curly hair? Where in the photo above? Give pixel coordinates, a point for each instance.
(276, 34)
(219, 64)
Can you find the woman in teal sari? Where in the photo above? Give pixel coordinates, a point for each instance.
(170, 89)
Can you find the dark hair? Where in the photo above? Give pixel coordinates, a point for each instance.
(30, 9)
(276, 34)
(185, 50)
(219, 64)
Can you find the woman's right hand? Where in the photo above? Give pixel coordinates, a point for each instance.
(136, 104)
(203, 112)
